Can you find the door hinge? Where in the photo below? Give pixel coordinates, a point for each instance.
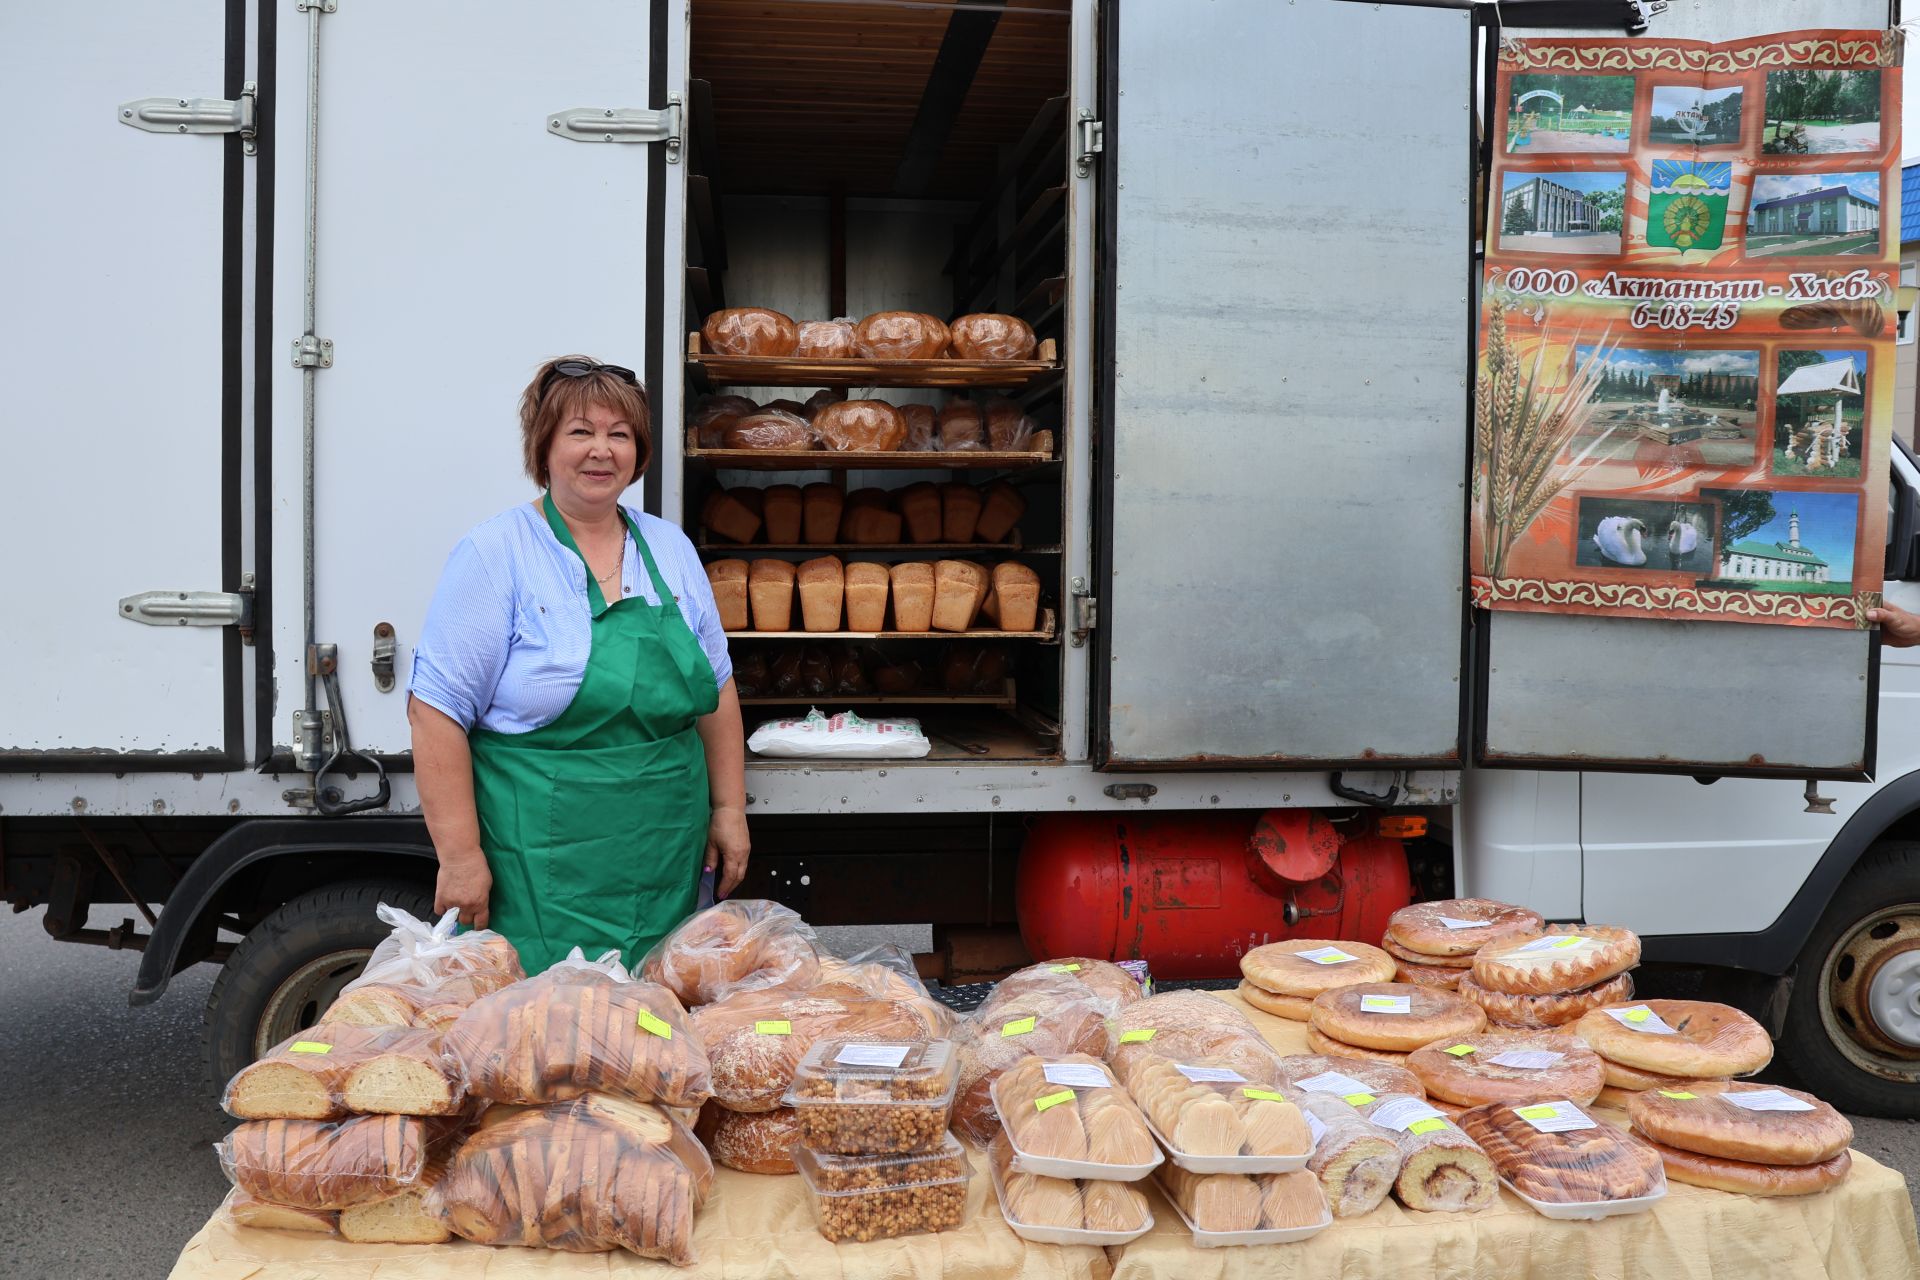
(195, 115)
(1093, 141)
(621, 124)
(310, 352)
(1086, 612)
(193, 608)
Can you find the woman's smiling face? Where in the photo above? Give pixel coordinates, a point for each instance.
(592, 455)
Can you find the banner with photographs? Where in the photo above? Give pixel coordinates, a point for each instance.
(1684, 396)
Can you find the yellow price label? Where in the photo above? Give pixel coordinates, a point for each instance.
(1018, 1027)
(1427, 1126)
(776, 1027)
(309, 1046)
(1461, 1050)
(647, 1022)
(1357, 1099)
(1053, 1100)
(1537, 1113)
(1564, 942)
(1141, 1036)
(1263, 1095)
(1638, 1015)
(1680, 1095)
(1063, 968)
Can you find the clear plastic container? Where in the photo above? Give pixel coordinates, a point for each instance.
(1203, 1239)
(1051, 1233)
(858, 1097)
(877, 1197)
(1164, 1090)
(1057, 1087)
(1587, 1210)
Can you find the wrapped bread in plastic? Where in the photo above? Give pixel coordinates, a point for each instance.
(823, 584)
(423, 974)
(866, 588)
(733, 514)
(774, 430)
(1395, 1016)
(1743, 1177)
(263, 1215)
(750, 331)
(754, 1040)
(901, 335)
(332, 1070)
(904, 676)
(1304, 967)
(1063, 1204)
(750, 1141)
(1102, 977)
(715, 414)
(1534, 1013)
(959, 586)
(1441, 1169)
(1205, 1109)
(884, 971)
(770, 590)
(921, 509)
(921, 434)
(1355, 1161)
(780, 510)
(741, 944)
(1001, 507)
(1408, 956)
(1009, 429)
(1098, 1124)
(1048, 1018)
(325, 1164)
(1560, 958)
(913, 594)
(1190, 1026)
(1734, 1120)
(1692, 1038)
(728, 578)
(1458, 926)
(825, 340)
(1427, 975)
(1214, 1201)
(1013, 597)
(751, 674)
(1555, 1152)
(961, 426)
(1509, 1066)
(403, 1219)
(586, 1176)
(1321, 1073)
(866, 426)
(989, 336)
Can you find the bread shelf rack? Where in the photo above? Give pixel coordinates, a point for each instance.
(793, 371)
(747, 550)
(899, 460)
(1045, 632)
(1003, 699)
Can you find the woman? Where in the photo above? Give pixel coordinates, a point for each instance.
(578, 761)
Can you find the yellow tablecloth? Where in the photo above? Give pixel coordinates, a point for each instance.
(763, 1227)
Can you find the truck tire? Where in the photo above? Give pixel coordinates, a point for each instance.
(289, 968)
(1863, 956)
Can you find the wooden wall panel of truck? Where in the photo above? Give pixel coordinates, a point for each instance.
(287, 265)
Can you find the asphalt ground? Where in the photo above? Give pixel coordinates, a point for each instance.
(106, 1160)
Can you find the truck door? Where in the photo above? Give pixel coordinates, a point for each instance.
(121, 325)
(488, 189)
(1284, 338)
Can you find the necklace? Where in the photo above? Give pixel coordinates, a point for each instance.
(618, 562)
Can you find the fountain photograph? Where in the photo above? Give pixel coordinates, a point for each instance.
(1690, 115)
(1635, 533)
(1819, 413)
(1692, 408)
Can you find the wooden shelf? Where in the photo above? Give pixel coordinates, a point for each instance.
(1046, 632)
(1015, 548)
(793, 371)
(1004, 699)
(859, 460)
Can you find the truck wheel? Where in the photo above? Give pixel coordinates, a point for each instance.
(289, 968)
(1852, 1030)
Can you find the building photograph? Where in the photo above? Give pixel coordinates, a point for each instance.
(1562, 212)
(1814, 215)
(1787, 541)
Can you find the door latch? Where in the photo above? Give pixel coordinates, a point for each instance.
(385, 647)
(1086, 613)
(192, 609)
(621, 124)
(195, 115)
(1093, 140)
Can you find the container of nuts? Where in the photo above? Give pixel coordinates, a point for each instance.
(878, 1197)
(857, 1097)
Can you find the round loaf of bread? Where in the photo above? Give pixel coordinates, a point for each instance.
(1009, 429)
(1377, 1076)
(754, 1142)
(1536, 1013)
(825, 340)
(770, 429)
(1297, 1008)
(1281, 968)
(920, 427)
(901, 335)
(961, 427)
(1103, 978)
(1618, 1099)
(1561, 958)
(864, 426)
(1567, 1068)
(1399, 952)
(989, 336)
(1422, 926)
(1699, 1118)
(1322, 1043)
(1744, 1178)
(1632, 1079)
(1366, 1016)
(1709, 1040)
(1427, 975)
(750, 331)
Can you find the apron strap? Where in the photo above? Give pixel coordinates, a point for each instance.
(596, 600)
(660, 592)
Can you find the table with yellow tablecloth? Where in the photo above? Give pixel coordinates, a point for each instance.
(763, 1227)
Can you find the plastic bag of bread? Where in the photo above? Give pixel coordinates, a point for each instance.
(1509, 1066)
(1051, 1016)
(961, 427)
(580, 1027)
(1341, 1077)
(333, 1070)
(245, 1210)
(1233, 1208)
(1190, 1026)
(989, 336)
(1048, 1210)
(755, 1039)
(741, 944)
(423, 974)
(1102, 977)
(901, 335)
(1213, 1119)
(588, 1176)
(903, 675)
(921, 434)
(325, 1164)
(825, 340)
(1552, 1153)
(714, 414)
(750, 1141)
(1441, 1168)
(1009, 429)
(1067, 1117)
(884, 971)
(860, 426)
(750, 331)
(843, 736)
(973, 668)
(751, 674)
(775, 430)
(1355, 1160)
(849, 672)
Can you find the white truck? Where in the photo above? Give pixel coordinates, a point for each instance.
(275, 270)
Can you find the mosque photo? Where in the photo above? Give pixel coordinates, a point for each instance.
(1803, 542)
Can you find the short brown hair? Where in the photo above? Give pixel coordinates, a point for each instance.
(567, 398)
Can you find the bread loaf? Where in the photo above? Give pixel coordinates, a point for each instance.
(1537, 1012)
(958, 588)
(1323, 1073)
(251, 1211)
(822, 587)
(1293, 1008)
(726, 514)
(960, 506)
(334, 1069)
(750, 331)
(1013, 597)
(1424, 927)
(770, 587)
(1009, 429)
(729, 581)
(921, 437)
(913, 596)
(1103, 978)
(1399, 1017)
(741, 944)
(1065, 1018)
(780, 510)
(1702, 1117)
(870, 519)
(1214, 1201)
(961, 426)
(402, 1219)
(1001, 507)
(774, 430)
(1745, 1178)
(987, 336)
(1560, 958)
(867, 596)
(1355, 1162)
(1190, 1026)
(312, 1164)
(820, 507)
(921, 509)
(901, 335)
(755, 1141)
(1305, 967)
(825, 340)
(715, 414)
(1537, 1064)
(755, 1039)
(376, 1004)
(1407, 955)
(1706, 1039)
(868, 426)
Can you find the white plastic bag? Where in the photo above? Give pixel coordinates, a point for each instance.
(845, 736)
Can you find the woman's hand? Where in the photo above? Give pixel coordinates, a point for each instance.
(466, 883)
(727, 848)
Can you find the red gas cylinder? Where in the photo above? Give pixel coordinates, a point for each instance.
(1191, 893)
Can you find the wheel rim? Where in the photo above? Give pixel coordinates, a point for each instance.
(297, 1003)
(1867, 983)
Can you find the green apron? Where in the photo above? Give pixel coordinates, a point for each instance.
(595, 825)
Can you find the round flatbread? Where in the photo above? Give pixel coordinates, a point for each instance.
(1408, 956)
(1427, 975)
(1696, 1039)
(1744, 1178)
(1327, 1045)
(1435, 928)
(1538, 1013)
(1622, 1076)
(1305, 967)
(1701, 1118)
(1378, 1077)
(1564, 957)
(1395, 1016)
(1509, 1066)
(1293, 1007)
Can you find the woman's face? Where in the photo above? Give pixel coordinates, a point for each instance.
(591, 456)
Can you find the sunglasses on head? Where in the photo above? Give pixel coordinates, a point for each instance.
(583, 368)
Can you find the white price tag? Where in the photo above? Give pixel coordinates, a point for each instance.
(1326, 955)
(872, 1055)
(1075, 1075)
(1555, 1117)
(1527, 1059)
(1403, 1113)
(1554, 942)
(1210, 1075)
(1641, 1018)
(1386, 1004)
(1452, 923)
(1765, 1100)
(1330, 1082)
(1315, 1126)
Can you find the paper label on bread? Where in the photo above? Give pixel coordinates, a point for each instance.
(889, 1056)
(1331, 1082)
(1527, 1059)
(1764, 1100)
(1386, 1004)
(1403, 1113)
(1075, 1075)
(1555, 1117)
(1326, 955)
(1641, 1018)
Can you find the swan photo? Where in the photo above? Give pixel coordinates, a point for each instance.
(1657, 536)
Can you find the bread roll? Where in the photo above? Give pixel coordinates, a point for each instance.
(1013, 598)
(921, 509)
(780, 508)
(750, 331)
(1103, 978)
(901, 335)
(1305, 967)
(958, 588)
(822, 587)
(1066, 1018)
(771, 429)
(729, 581)
(867, 596)
(1355, 1162)
(755, 1141)
(987, 336)
(1423, 928)
(1009, 429)
(770, 587)
(820, 508)
(1000, 509)
(867, 426)
(962, 427)
(920, 428)
(913, 596)
(728, 515)
(960, 506)
(825, 340)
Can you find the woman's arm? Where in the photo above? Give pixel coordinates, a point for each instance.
(725, 742)
(443, 772)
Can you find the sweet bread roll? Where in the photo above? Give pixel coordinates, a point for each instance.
(958, 588)
(1326, 1073)
(727, 513)
(1195, 1119)
(1442, 1171)
(770, 588)
(820, 507)
(1355, 1162)
(1435, 928)
(1707, 1040)
(729, 581)
(860, 426)
(1275, 1126)
(1290, 1200)
(1216, 1201)
(869, 518)
(1563, 958)
(1292, 1007)
(1321, 1043)
(961, 427)
(1001, 507)
(825, 340)
(922, 511)
(1710, 1122)
(1588, 1164)
(1510, 1066)
(823, 585)
(901, 335)
(1406, 956)
(1395, 1016)
(1307, 966)
(1747, 1179)
(1115, 1132)
(1009, 429)
(750, 331)
(1538, 1012)
(1053, 1132)
(1427, 975)
(771, 429)
(913, 596)
(866, 596)
(960, 506)
(1034, 1201)
(781, 509)
(988, 336)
